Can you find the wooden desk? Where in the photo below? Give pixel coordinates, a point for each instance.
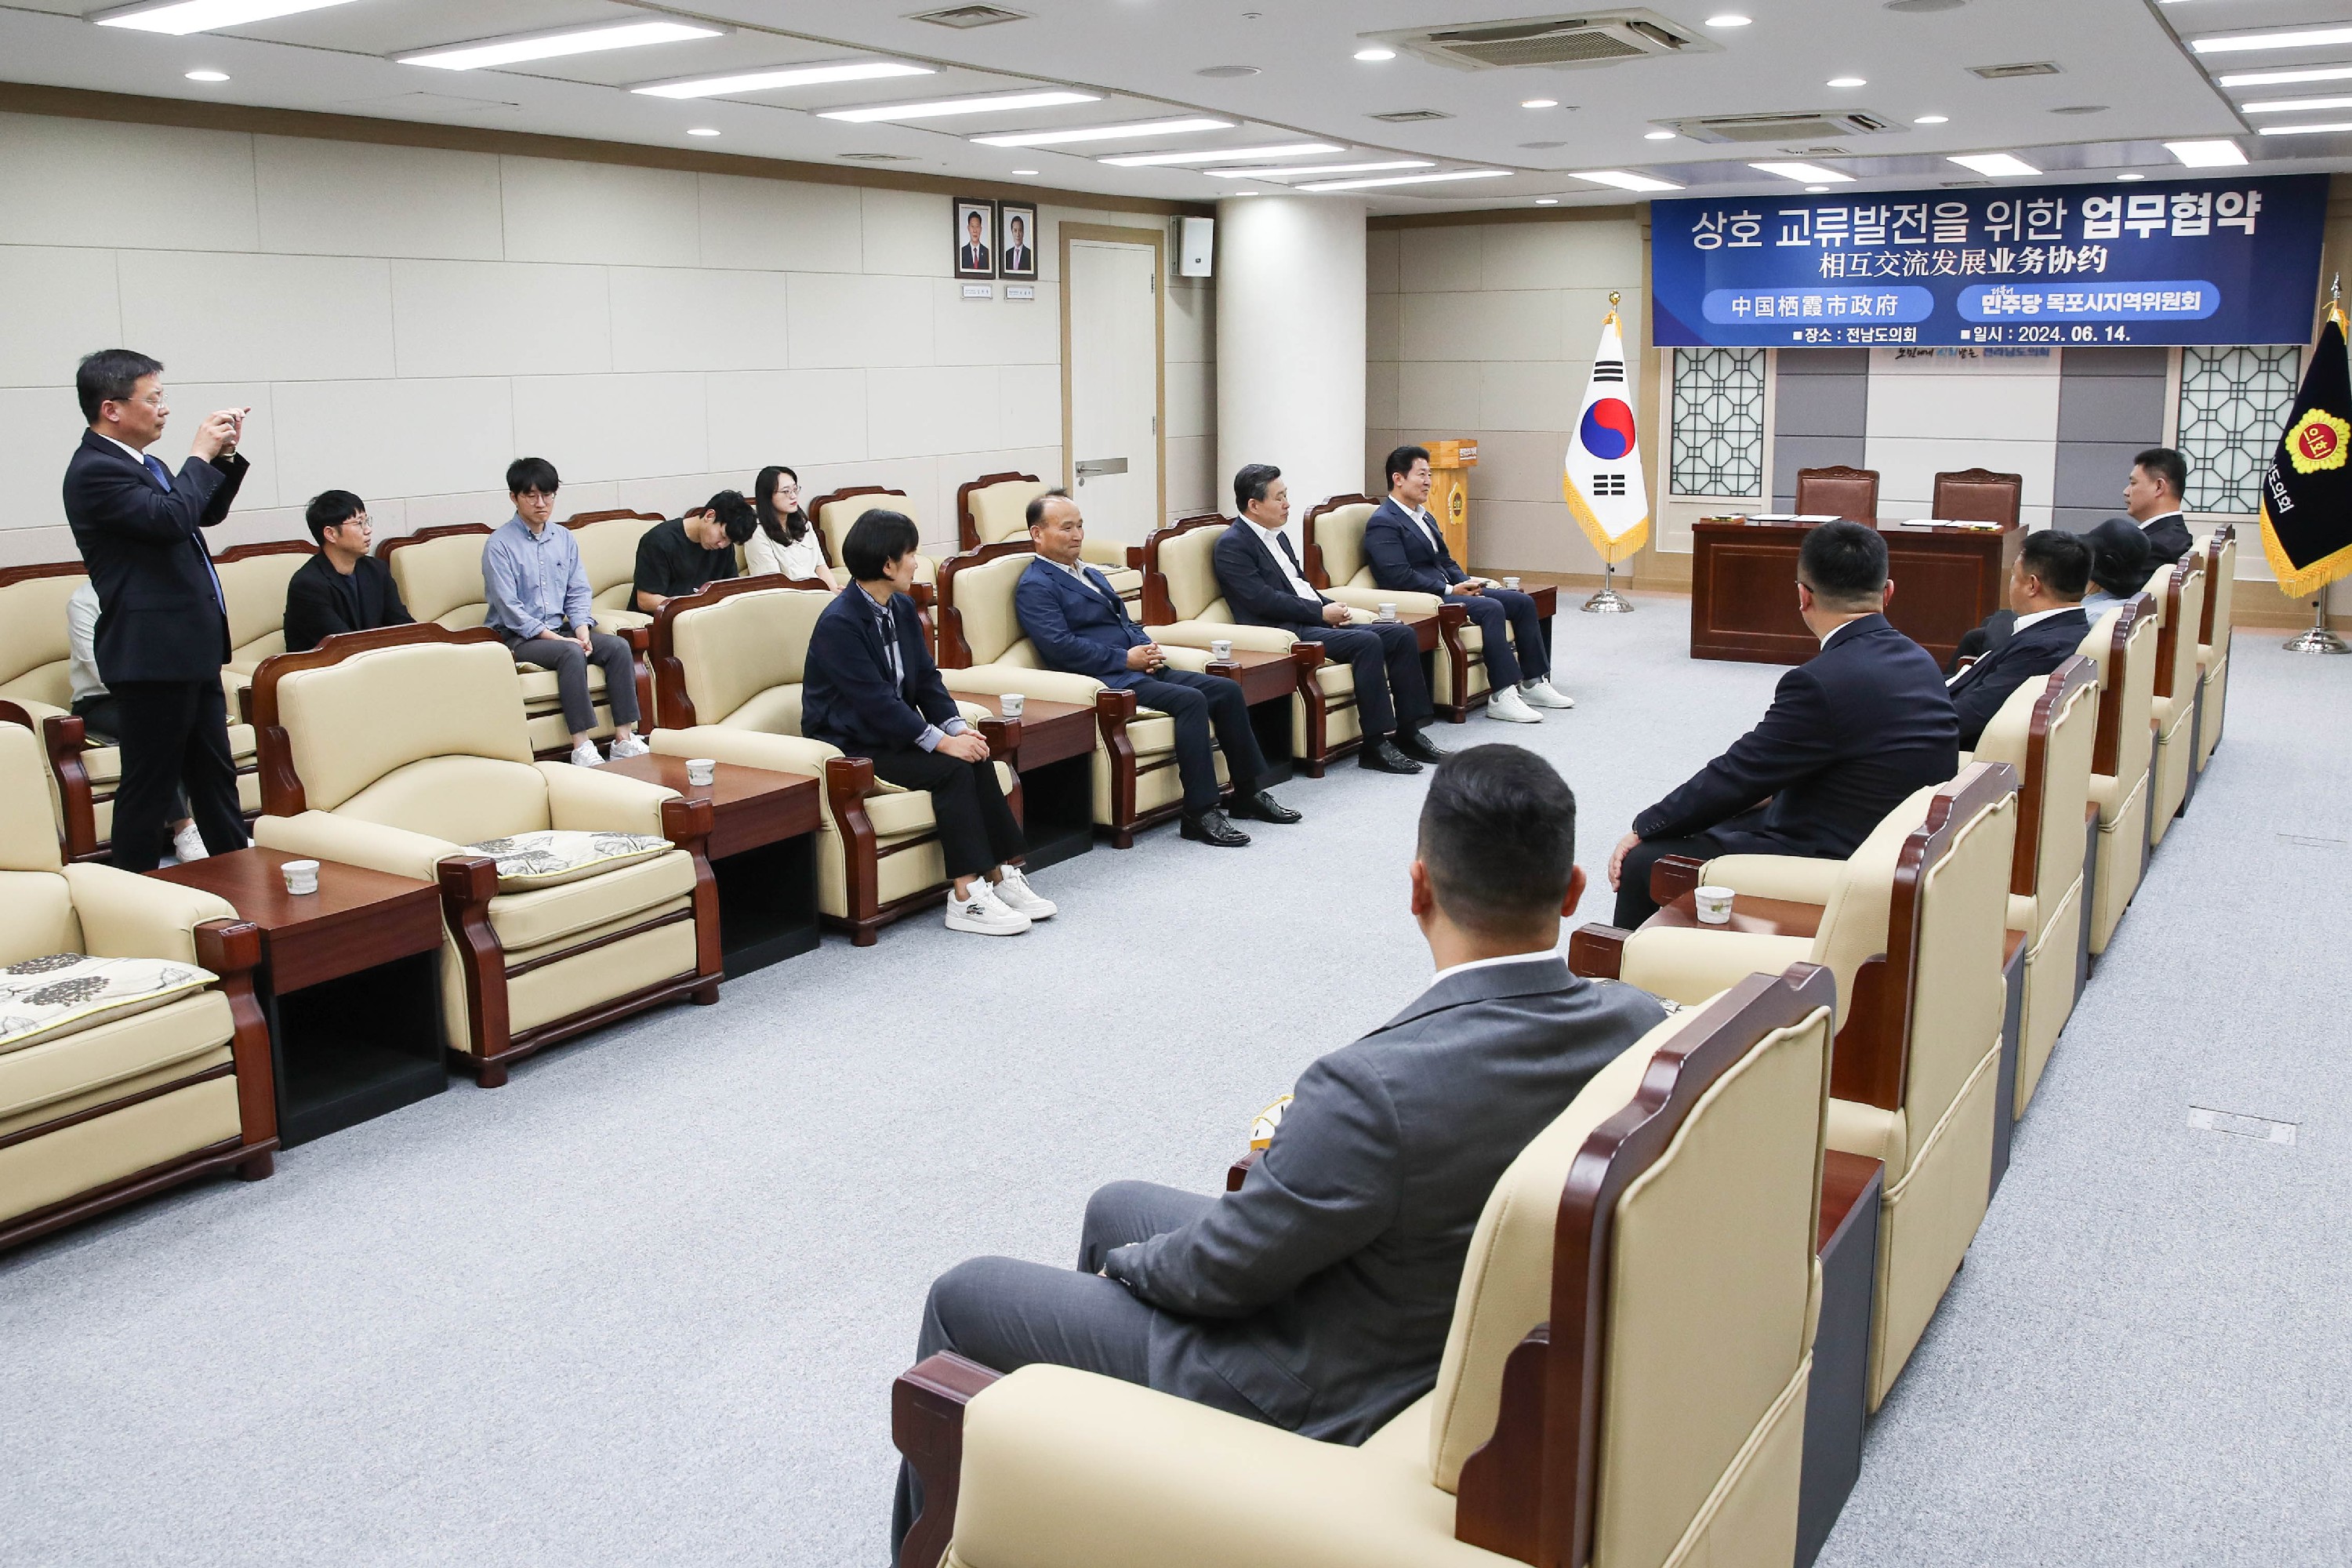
(763, 855)
(1268, 682)
(1056, 760)
(350, 981)
(1838, 1397)
(1744, 587)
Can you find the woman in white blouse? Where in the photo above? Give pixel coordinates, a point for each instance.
(785, 543)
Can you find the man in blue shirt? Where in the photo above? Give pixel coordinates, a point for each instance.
(537, 594)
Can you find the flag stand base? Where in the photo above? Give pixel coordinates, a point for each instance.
(1606, 602)
(2318, 639)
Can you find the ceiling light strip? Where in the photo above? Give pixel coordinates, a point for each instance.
(1279, 173)
(1805, 173)
(2295, 105)
(1625, 180)
(1406, 180)
(791, 76)
(1995, 165)
(558, 46)
(181, 17)
(2214, 154)
(2306, 129)
(2300, 38)
(2287, 78)
(941, 108)
(1221, 154)
(1104, 133)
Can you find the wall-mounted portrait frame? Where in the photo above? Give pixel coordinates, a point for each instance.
(975, 237)
(1016, 232)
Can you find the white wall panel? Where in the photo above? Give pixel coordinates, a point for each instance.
(499, 318)
(1557, 255)
(1192, 398)
(558, 211)
(1514, 325)
(843, 320)
(1431, 260)
(277, 318)
(1541, 395)
(911, 412)
(800, 418)
(82, 183)
(406, 437)
(699, 318)
(343, 198)
(61, 304)
(39, 428)
(1189, 311)
(192, 400)
(909, 232)
(780, 225)
(1440, 394)
(1030, 396)
(995, 331)
(613, 426)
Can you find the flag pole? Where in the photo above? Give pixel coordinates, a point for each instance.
(2319, 640)
(1606, 602)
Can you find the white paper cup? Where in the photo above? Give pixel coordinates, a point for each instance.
(701, 770)
(1388, 610)
(1713, 905)
(1012, 702)
(1511, 583)
(302, 876)
(1221, 648)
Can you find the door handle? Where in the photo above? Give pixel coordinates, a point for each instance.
(1098, 468)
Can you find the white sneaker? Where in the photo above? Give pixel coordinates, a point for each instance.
(626, 744)
(189, 845)
(981, 913)
(585, 756)
(1015, 894)
(1542, 693)
(1505, 704)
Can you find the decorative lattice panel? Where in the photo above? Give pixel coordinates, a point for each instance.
(2234, 404)
(1719, 423)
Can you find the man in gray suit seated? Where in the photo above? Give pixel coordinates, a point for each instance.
(1318, 1297)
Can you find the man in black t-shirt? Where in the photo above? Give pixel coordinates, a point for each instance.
(689, 554)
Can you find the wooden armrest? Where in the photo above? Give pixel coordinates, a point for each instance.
(1003, 738)
(1597, 951)
(1238, 1172)
(639, 639)
(927, 1424)
(1673, 875)
(232, 950)
(1867, 1061)
(687, 823)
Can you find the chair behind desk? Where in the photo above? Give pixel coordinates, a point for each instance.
(1838, 491)
(1977, 495)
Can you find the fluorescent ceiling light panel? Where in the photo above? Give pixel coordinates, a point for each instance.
(1406, 180)
(1319, 169)
(182, 18)
(1221, 154)
(1625, 180)
(1805, 173)
(1104, 133)
(2305, 39)
(1998, 165)
(944, 107)
(2304, 130)
(791, 76)
(2294, 105)
(556, 45)
(2213, 154)
(2287, 78)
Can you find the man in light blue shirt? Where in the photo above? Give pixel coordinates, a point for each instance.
(538, 605)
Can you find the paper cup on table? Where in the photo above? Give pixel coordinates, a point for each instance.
(701, 770)
(302, 876)
(1012, 702)
(1221, 648)
(1713, 905)
(1388, 609)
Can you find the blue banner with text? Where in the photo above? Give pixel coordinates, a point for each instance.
(2185, 261)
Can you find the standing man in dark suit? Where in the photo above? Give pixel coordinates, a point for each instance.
(343, 588)
(2045, 596)
(1263, 581)
(1318, 1297)
(1848, 736)
(162, 621)
(1078, 623)
(2159, 476)
(1408, 553)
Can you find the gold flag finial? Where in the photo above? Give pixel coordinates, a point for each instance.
(1612, 298)
(2335, 288)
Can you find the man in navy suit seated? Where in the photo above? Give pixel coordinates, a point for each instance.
(1266, 586)
(1407, 549)
(1078, 623)
(2045, 595)
(1849, 735)
(2159, 476)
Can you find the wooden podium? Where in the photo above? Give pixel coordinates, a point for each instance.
(1450, 463)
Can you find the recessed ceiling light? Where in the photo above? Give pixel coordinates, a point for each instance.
(1405, 180)
(988, 103)
(1805, 173)
(790, 76)
(1376, 54)
(1540, 103)
(1625, 181)
(1221, 154)
(2304, 130)
(1657, 135)
(2287, 78)
(2299, 38)
(181, 17)
(1728, 21)
(2269, 106)
(1933, 119)
(702, 131)
(1026, 174)
(1319, 169)
(556, 46)
(2218, 154)
(1998, 165)
(1847, 81)
(2131, 176)
(1103, 132)
(208, 76)
(1815, 190)
(1547, 201)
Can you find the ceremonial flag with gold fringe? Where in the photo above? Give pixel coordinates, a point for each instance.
(2308, 493)
(1603, 481)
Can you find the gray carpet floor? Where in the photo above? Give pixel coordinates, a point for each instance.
(644, 1304)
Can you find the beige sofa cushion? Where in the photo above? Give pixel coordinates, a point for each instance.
(544, 915)
(441, 579)
(33, 641)
(109, 1051)
(255, 589)
(1339, 535)
(983, 599)
(59, 992)
(1187, 561)
(457, 798)
(550, 857)
(1001, 510)
(349, 724)
(745, 644)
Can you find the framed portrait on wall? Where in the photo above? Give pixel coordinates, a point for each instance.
(975, 237)
(1016, 254)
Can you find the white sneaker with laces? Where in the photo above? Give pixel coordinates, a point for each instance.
(626, 743)
(1542, 693)
(980, 912)
(585, 756)
(1015, 894)
(1506, 705)
(189, 845)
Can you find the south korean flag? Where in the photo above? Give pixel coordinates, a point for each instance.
(1602, 477)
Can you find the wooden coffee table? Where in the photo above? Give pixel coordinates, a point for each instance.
(763, 855)
(1269, 682)
(350, 981)
(1056, 760)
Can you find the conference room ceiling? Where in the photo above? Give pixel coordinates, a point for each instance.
(2126, 78)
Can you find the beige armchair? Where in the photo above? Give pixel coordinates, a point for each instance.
(2172, 706)
(399, 749)
(1184, 607)
(253, 579)
(2123, 643)
(1918, 1049)
(103, 1108)
(439, 573)
(2213, 639)
(730, 661)
(994, 508)
(1623, 1384)
(608, 554)
(835, 513)
(1333, 535)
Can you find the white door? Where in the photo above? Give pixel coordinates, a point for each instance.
(1114, 452)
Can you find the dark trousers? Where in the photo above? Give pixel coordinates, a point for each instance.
(1005, 1314)
(101, 725)
(174, 736)
(977, 829)
(1391, 693)
(1488, 610)
(1199, 704)
(563, 655)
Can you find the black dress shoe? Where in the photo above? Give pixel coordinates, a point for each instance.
(1211, 827)
(1264, 807)
(1380, 755)
(1416, 744)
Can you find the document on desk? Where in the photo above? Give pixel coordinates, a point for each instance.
(1951, 522)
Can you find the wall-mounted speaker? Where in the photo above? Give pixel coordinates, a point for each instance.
(1196, 243)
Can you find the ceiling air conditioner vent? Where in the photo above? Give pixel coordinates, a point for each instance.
(881, 157)
(1411, 116)
(969, 16)
(1582, 38)
(2002, 73)
(1785, 128)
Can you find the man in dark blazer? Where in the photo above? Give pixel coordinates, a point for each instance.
(1408, 553)
(2159, 478)
(1019, 260)
(2045, 603)
(1078, 622)
(973, 256)
(163, 623)
(343, 588)
(1318, 1297)
(1849, 735)
(1266, 586)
